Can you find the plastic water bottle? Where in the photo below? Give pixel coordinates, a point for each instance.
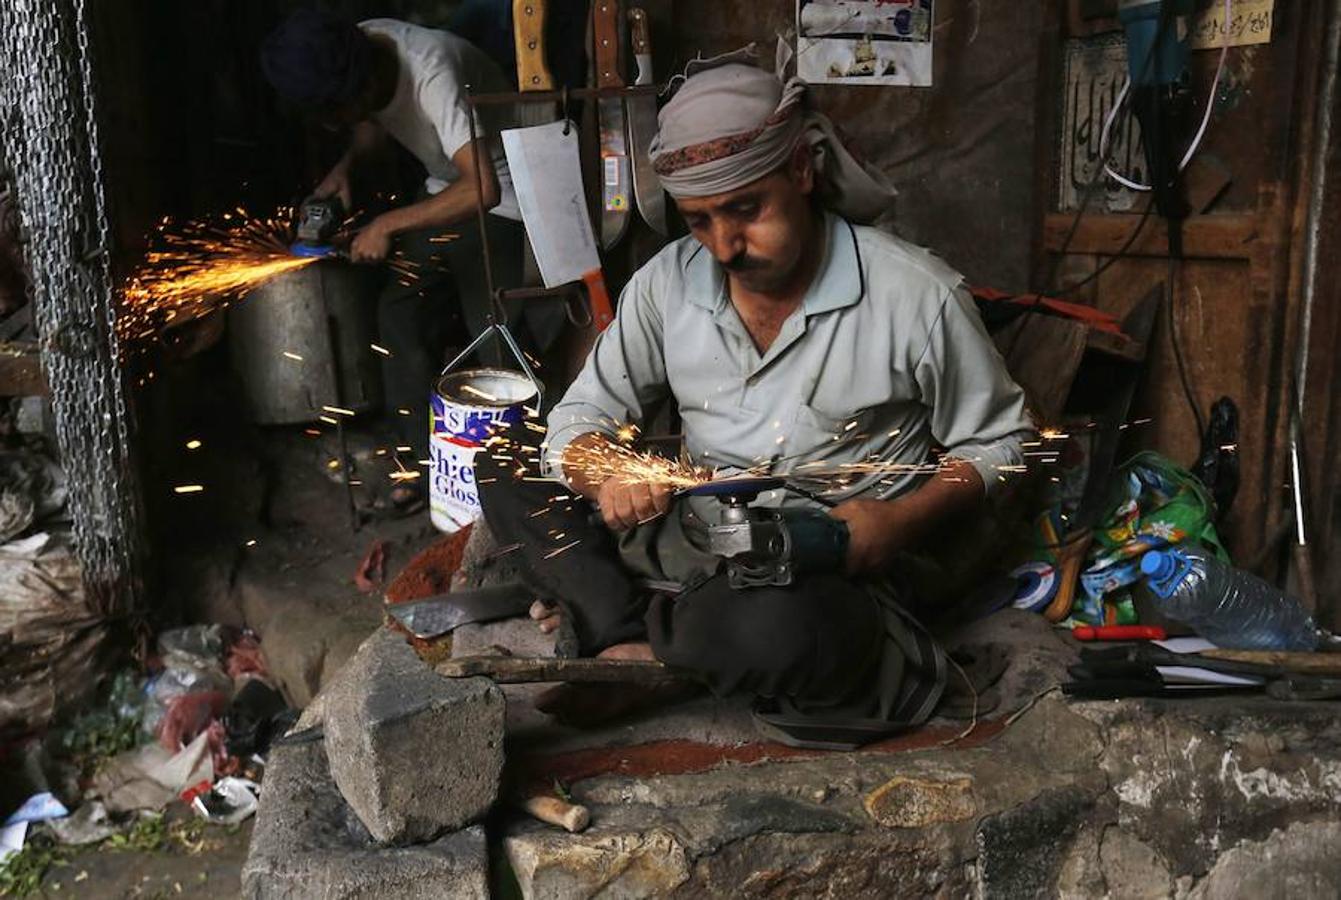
(1228, 607)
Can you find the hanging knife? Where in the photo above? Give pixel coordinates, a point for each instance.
(610, 110)
(642, 111)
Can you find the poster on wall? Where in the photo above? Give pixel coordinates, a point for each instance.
(1249, 22)
(1093, 74)
(864, 41)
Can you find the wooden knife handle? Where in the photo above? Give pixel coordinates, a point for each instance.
(528, 30)
(639, 36)
(605, 27)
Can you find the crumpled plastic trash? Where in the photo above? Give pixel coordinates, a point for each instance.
(89, 824)
(192, 646)
(38, 808)
(230, 801)
(150, 777)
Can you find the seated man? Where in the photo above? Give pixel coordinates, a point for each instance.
(785, 334)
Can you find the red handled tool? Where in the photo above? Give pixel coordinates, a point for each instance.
(1118, 633)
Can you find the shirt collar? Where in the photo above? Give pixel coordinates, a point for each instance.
(840, 282)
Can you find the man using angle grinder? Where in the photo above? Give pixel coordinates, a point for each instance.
(385, 78)
(792, 339)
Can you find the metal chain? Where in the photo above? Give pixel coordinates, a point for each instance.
(51, 136)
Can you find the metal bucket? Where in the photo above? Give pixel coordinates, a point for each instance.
(464, 408)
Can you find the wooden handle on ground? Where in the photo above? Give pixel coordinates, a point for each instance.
(571, 817)
(1328, 664)
(531, 669)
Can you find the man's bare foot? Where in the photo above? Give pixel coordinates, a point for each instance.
(547, 617)
(637, 651)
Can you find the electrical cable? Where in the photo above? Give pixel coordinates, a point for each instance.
(1165, 16)
(1176, 344)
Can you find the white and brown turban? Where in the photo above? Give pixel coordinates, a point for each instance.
(732, 123)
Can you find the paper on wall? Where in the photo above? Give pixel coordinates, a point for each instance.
(864, 41)
(1249, 22)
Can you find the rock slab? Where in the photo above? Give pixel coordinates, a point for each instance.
(308, 843)
(414, 754)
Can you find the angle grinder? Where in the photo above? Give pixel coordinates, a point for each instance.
(764, 546)
(318, 220)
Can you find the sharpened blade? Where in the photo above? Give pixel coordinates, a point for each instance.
(614, 172)
(642, 112)
(435, 616)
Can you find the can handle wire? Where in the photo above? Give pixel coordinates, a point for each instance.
(500, 331)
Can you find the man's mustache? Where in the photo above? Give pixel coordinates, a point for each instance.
(743, 262)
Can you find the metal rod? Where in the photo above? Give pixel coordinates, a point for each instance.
(503, 98)
(1322, 147)
(494, 304)
(536, 293)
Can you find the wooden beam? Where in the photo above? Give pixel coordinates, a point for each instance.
(1206, 237)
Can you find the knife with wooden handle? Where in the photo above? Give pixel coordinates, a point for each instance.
(642, 114)
(615, 178)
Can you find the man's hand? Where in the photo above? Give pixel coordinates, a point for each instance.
(873, 534)
(372, 244)
(337, 184)
(625, 504)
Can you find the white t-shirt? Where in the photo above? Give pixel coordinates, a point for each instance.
(428, 114)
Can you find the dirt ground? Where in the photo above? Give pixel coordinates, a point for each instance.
(215, 870)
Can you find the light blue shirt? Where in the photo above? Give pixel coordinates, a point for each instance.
(884, 359)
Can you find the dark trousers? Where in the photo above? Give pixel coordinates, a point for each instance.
(819, 642)
(445, 305)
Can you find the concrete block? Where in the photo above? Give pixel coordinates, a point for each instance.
(308, 843)
(414, 754)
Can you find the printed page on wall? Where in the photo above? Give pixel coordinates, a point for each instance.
(1249, 22)
(864, 41)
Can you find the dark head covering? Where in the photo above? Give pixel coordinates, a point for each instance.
(317, 58)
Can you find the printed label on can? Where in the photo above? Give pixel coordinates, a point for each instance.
(456, 433)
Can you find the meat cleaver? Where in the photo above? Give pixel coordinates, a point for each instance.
(547, 176)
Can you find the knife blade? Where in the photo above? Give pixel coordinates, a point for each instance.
(610, 111)
(642, 113)
(435, 616)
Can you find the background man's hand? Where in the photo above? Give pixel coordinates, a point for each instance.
(337, 184)
(372, 244)
(625, 504)
(874, 534)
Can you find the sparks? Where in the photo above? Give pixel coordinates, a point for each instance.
(188, 488)
(337, 410)
(380, 349)
(193, 444)
(293, 356)
(201, 267)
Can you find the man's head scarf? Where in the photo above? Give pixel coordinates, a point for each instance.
(317, 58)
(732, 123)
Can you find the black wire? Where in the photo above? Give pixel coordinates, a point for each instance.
(1188, 394)
(1165, 18)
(1119, 254)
